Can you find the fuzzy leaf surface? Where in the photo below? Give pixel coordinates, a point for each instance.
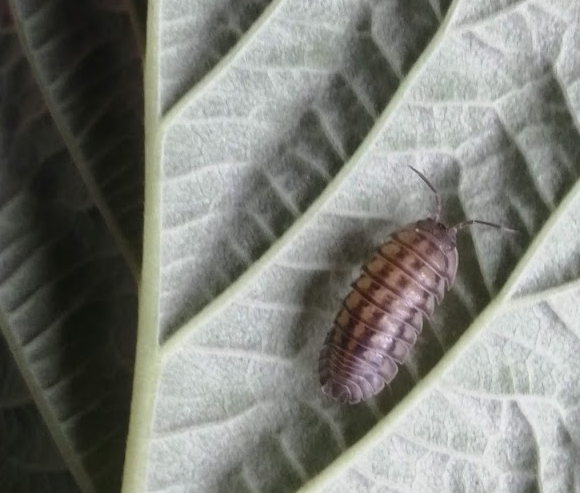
(29, 461)
(87, 63)
(67, 303)
(276, 174)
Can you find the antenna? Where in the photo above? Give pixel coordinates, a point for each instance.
(464, 224)
(437, 208)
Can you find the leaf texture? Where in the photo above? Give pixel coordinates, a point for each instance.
(67, 299)
(274, 179)
(29, 461)
(246, 151)
(88, 66)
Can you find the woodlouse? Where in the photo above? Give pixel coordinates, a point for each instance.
(381, 317)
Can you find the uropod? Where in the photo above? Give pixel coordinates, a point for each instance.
(380, 319)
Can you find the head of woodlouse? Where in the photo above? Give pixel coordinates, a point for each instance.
(447, 237)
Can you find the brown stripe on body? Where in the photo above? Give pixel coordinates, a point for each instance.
(385, 274)
(350, 378)
(388, 327)
(344, 370)
(425, 245)
(413, 265)
(329, 367)
(332, 369)
(346, 353)
(401, 284)
(373, 315)
(341, 370)
(364, 350)
(386, 300)
(365, 345)
(380, 341)
(353, 348)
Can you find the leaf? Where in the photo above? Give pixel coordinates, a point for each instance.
(67, 301)
(271, 181)
(138, 13)
(199, 34)
(29, 460)
(88, 66)
(249, 149)
(501, 412)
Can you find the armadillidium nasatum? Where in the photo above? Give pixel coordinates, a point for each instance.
(380, 319)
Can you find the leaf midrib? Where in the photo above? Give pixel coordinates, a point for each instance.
(150, 357)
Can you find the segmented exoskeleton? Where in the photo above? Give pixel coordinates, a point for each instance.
(381, 317)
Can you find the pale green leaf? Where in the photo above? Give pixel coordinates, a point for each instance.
(67, 302)
(273, 178)
(246, 151)
(195, 36)
(88, 65)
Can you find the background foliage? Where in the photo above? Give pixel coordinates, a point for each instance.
(236, 184)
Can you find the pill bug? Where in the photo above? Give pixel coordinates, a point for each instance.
(380, 319)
